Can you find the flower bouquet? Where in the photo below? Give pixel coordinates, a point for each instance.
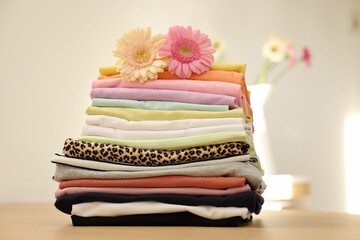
(278, 59)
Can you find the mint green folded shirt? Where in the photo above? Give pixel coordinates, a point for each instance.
(144, 115)
(156, 105)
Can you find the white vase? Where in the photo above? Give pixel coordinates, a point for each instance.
(259, 94)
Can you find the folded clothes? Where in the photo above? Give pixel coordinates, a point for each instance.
(236, 169)
(175, 143)
(149, 157)
(119, 123)
(161, 181)
(250, 200)
(144, 115)
(167, 219)
(224, 72)
(104, 209)
(213, 87)
(165, 95)
(235, 67)
(107, 166)
(92, 130)
(217, 87)
(156, 105)
(195, 191)
(232, 73)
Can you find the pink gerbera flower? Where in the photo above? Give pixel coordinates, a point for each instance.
(189, 51)
(306, 56)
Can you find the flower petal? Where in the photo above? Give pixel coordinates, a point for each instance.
(147, 34)
(137, 74)
(152, 75)
(173, 65)
(172, 34)
(178, 70)
(188, 32)
(159, 63)
(208, 58)
(186, 70)
(196, 35)
(180, 31)
(209, 50)
(193, 68)
(197, 65)
(164, 50)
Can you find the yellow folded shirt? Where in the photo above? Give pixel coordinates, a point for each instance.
(235, 67)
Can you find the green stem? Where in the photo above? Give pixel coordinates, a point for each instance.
(266, 68)
(281, 74)
(261, 76)
(285, 70)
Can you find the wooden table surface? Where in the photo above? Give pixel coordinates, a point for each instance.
(38, 221)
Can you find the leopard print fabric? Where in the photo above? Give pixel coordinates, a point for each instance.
(149, 157)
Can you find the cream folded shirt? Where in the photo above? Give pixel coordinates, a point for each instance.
(104, 209)
(92, 130)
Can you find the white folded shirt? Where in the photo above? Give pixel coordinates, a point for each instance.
(119, 123)
(92, 130)
(104, 209)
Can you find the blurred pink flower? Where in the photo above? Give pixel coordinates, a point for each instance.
(306, 56)
(291, 55)
(189, 51)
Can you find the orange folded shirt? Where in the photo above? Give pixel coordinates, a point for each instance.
(162, 181)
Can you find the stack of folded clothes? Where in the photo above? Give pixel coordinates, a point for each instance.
(166, 151)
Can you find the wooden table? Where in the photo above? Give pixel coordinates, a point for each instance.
(42, 221)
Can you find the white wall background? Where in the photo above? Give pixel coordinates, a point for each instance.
(50, 52)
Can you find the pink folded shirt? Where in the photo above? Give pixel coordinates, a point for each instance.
(214, 87)
(139, 191)
(165, 95)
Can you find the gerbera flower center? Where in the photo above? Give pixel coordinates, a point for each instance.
(141, 57)
(274, 49)
(185, 50)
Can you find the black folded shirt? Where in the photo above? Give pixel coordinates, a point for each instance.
(251, 200)
(167, 219)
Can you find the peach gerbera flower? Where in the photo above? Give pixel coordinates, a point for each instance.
(138, 55)
(189, 51)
